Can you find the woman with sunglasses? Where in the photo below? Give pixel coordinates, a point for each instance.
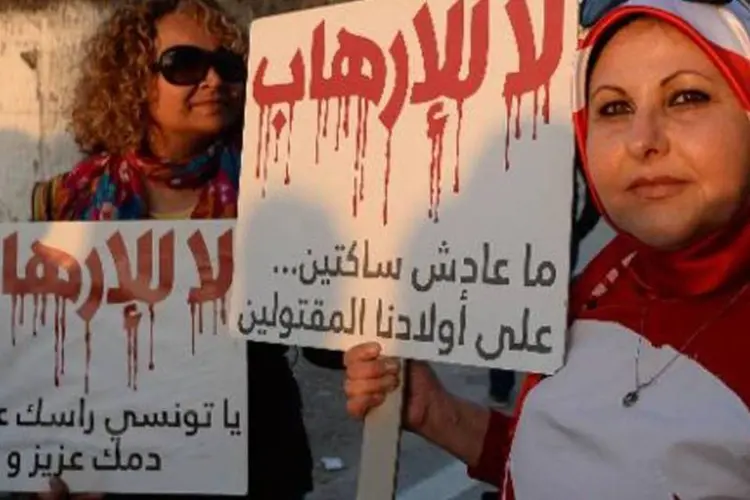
(158, 109)
(653, 402)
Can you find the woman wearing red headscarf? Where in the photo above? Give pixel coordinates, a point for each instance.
(653, 401)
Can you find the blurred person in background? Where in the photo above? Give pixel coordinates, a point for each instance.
(158, 112)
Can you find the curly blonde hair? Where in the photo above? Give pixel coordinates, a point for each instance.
(110, 101)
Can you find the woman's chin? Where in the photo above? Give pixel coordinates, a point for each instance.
(665, 237)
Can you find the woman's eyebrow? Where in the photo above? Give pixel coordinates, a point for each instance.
(610, 87)
(665, 81)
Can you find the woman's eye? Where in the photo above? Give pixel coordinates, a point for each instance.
(614, 108)
(689, 97)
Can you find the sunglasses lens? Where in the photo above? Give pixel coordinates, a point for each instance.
(184, 65)
(230, 66)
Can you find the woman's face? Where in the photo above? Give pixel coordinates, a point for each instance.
(198, 111)
(668, 143)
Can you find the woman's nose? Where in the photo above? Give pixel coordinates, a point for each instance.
(647, 135)
(212, 78)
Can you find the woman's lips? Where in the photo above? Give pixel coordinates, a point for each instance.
(656, 188)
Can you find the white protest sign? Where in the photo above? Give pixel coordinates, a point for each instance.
(117, 368)
(407, 178)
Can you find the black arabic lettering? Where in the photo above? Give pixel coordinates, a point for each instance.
(114, 453)
(231, 420)
(511, 340)
(389, 271)
(446, 270)
(326, 270)
(155, 464)
(495, 277)
(447, 330)
(128, 417)
(43, 467)
(381, 332)
(317, 320)
(474, 271)
(546, 272)
(31, 409)
(15, 464)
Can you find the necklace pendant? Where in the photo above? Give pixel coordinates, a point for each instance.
(630, 399)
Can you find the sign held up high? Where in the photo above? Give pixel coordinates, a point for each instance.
(407, 167)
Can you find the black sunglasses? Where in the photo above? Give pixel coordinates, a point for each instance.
(185, 65)
(592, 11)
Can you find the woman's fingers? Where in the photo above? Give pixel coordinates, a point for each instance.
(359, 406)
(362, 352)
(372, 369)
(365, 394)
(363, 387)
(58, 490)
(369, 378)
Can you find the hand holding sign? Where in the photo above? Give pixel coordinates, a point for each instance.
(430, 411)
(370, 377)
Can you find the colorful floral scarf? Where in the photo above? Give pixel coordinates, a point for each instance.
(108, 187)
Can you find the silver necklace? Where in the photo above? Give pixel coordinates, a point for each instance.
(632, 397)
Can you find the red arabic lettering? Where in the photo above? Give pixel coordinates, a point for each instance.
(132, 319)
(42, 278)
(268, 95)
(533, 72)
(353, 52)
(91, 305)
(213, 285)
(445, 81)
(61, 289)
(393, 108)
(358, 70)
(138, 287)
(436, 120)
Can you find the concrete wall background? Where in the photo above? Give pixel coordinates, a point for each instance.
(39, 46)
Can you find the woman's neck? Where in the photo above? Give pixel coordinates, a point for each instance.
(163, 199)
(176, 148)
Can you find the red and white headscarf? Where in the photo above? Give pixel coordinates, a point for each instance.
(723, 33)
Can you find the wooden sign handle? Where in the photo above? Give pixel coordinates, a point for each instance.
(381, 439)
